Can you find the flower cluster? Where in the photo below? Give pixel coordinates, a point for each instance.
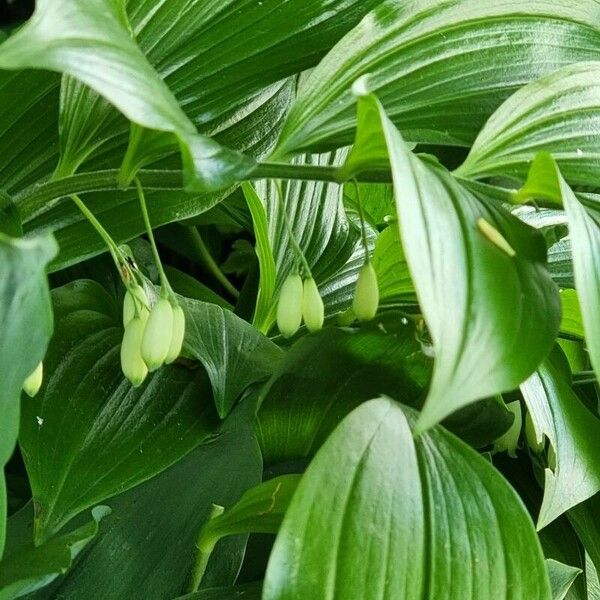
(153, 335)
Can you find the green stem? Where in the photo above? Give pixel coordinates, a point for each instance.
(116, 254)
(40, 196)
(164, 282)
(584, 377)
(211, 264)
(205, 548)
(288, 226)
(363, 227)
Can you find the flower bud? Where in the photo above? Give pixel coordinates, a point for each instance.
(135, 297)
(157, 335)
(289, 309)
(33, 383)
(177, 335)
(132, 364)
(366, 294)
(509, 441)
(313, 310)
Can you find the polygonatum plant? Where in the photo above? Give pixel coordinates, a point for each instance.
(300, 299)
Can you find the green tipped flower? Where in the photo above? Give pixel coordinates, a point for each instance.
(289, 309)
(157, 335)
(313, 310)
(132, 364)
(177, 335)
(135, 298)
(366, 294)
(33, 383)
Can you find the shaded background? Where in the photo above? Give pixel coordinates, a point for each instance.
(14, 11)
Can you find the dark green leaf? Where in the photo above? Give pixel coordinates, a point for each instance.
(249, 591)
(89, 435)
(146, 547)
(380, 515)
(234, 354)
(440, 68)
(26, 568)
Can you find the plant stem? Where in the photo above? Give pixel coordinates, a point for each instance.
(164, 282)
(211, 264)
(112, 246)
(40, 196)
(363, 228)
(584, 377)
(205, 549)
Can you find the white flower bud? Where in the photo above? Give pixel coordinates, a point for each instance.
(289, 309)
(157, 334)
(177, 335)
(132, 364)
(313, 310)
(134, 300)
(366, 294)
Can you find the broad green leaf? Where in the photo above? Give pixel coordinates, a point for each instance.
(88, 434)
(583, 214)
(440, 68)
(561, 577)
(491, 307)
(574, 433)
(253, 132)
(28, 127)
(248, 591)
(558, 114)
(10, 220)
(319, 225)
(234, 354)
(325, 376)
(380, 515)
(259, 510)
(201, 60)
(26, 324)
(146, 547)
(90, 41)
(27, 568)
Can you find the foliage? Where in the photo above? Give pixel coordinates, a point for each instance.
(300, 299)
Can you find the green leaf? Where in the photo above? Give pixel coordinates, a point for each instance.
(583, 214)
(88, 434)
(234, 354)
(325, 376)
(319, 225)
(253, 131)
(440, 68)
(380, 515)
(259, 510)
(571, 322)
(90, 41)
(561, 577)
(286, 39)
(393, 275)
(27, 568)
(146, 547)
(573, 432)
(492, 310)
(26, 323)
(558, 113)
(248, 591)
